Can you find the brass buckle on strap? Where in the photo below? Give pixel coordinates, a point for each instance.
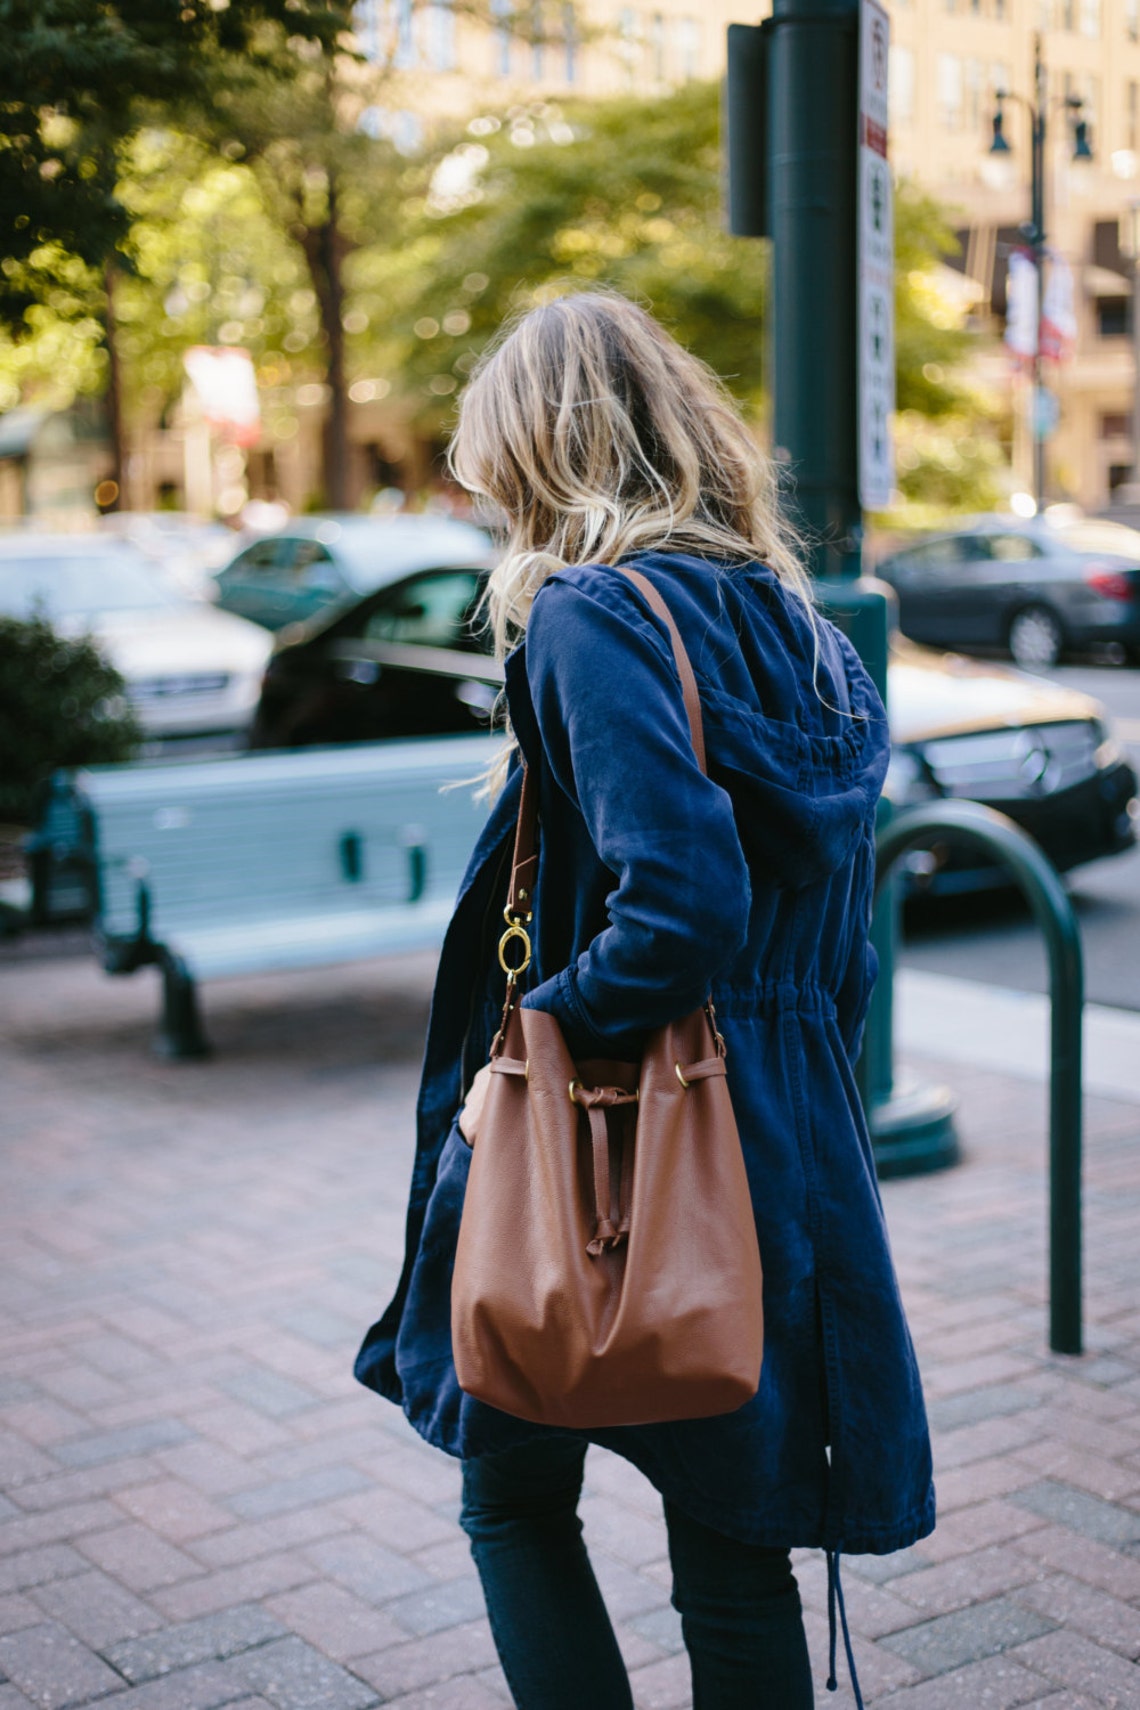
(515, 931)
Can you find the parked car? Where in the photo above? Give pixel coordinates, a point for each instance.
(189, 549)
(330, 561)
(407, 661)
(190, 669)
(1037, 588)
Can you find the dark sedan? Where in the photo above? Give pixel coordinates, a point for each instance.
(409, 661)
(324, 563)
(1036, 588)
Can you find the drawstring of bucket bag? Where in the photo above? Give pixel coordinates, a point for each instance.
(835, 1596)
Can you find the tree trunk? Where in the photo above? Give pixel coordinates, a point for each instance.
(324, 251)
(114, 396)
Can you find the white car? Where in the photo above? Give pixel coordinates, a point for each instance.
(189, 550)
(190, 669)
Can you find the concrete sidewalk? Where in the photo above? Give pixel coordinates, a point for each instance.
(200, 1508)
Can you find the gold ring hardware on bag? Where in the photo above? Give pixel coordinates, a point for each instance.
(514, 930)
(575, 1089)
(681, 1077)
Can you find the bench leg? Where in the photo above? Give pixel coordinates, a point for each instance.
(180, 1034)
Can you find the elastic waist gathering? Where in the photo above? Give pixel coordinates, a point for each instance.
(773, 997)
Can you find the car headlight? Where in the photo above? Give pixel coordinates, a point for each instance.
(907, 779)
(1108, 750)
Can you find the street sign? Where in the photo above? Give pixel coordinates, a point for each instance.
(876, 306)
(1046, 412)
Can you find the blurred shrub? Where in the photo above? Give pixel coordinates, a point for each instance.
(61, 704)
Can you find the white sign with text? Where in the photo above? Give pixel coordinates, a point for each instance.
(876, 239)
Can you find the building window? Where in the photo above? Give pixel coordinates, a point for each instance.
(570, 42)
(900, 84)
(440, 33)
(1044, 19)
(405, 55)
(973, 84)
(366, 24)
(689, 46)
(1068, 15)
(657, 46)
(949, 75)
(999, 11)
(537, 43)
(1132, 19)
(1132, 115)
(1113, 319)
(629, 46)
(501, 9)
(1117, 425)
(1090, 17)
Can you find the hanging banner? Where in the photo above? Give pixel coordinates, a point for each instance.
(1021, 308)
(1058, 314)
(876, 237)
(224, 379)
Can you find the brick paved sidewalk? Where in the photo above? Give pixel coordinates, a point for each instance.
(200, 1508)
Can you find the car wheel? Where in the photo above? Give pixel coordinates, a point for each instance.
(1035, 638)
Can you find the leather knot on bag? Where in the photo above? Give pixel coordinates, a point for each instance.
(597, 1102)
(607, 1270)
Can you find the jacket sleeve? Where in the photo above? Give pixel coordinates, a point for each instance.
(615, 736)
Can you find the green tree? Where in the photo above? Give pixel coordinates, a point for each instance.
(948, 436)
(623, 193)
(330, 144)
(319, 113)
(61, 704)
(76, 79)
(627, 193)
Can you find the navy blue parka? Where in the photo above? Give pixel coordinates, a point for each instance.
(655, 884)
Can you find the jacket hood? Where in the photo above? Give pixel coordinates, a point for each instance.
(804, 775)
(795, 730)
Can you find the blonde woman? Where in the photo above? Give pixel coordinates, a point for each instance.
(603, 442)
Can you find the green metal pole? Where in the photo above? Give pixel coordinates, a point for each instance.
(810, 209)
(996, 835)
(813, 120)
(1038, 112)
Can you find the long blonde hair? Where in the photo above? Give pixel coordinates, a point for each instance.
(595, 434)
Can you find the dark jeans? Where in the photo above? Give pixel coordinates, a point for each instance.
(739, 1604)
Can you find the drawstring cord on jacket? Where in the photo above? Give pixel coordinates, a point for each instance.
(835, 1595)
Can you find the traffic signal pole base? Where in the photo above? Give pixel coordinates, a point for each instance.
(913, 1132)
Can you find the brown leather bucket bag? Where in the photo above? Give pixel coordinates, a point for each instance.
(607, 1270)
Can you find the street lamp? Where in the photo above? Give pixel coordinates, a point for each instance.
(1129, 244)
(1034, 229)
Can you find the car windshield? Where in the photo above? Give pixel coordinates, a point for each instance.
(371, 549)
(81, 585)
(1102, 537)
(428, 611)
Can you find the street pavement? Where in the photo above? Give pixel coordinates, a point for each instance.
(996, 939)
(200, 1508)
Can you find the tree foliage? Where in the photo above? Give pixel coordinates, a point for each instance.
(628, 193)
(621, 193)
(76, 79)
(61, 704)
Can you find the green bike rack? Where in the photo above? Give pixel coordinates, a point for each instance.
(1039, 881)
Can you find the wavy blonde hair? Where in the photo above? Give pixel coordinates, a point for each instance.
(595, 434)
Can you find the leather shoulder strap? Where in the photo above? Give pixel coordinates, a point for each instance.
(520, 898)
(680, 659)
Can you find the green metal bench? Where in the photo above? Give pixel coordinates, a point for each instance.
(254, 863)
